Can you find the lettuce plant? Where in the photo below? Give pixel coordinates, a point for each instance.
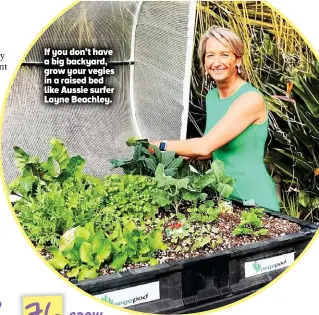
(88, 251)
(131, 194)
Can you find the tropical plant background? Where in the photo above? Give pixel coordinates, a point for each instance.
(281, 65)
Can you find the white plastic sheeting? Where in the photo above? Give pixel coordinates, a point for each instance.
(149, 102)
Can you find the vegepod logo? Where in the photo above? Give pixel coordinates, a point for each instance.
(252, 268)
(127, 297)
(259, 268)
(128, 302)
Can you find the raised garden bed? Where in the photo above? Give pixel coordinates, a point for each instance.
(162, 238)
(208, 281)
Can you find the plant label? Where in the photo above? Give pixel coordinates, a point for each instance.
(253, 268)
(132, 296)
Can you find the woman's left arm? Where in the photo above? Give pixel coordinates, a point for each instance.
(246, 110)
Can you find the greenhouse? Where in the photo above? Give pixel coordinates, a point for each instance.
(116, 214)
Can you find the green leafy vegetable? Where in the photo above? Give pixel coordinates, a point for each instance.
(251, 223)
(145, 163)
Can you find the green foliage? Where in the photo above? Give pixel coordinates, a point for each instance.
(134, 244)
(217, 242)
(307, 88)
(34, 174)
(83, 253)
(308, 202)
(251, 223)
(225, 206)
(295, 146)
(290, 204)
(201, 242)
(214, 178)
(203, 213)
(193, 234)
(170, 189)
(127, 195)
(57, 195)
(61, 206)
(180, 230)
(145, 163)
(190, 188)
(220, 181)
(53, 209)
(88, 251)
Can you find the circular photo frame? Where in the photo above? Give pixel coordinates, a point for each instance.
(162, 156)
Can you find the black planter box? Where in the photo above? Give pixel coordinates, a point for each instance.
(208, 281)
(222, 275)
(165, 279)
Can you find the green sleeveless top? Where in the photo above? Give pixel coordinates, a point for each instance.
(243, 156)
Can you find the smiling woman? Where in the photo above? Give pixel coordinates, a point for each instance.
(236, 121)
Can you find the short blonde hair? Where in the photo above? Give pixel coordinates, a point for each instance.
(229, 39)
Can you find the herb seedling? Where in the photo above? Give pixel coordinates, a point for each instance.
(251, 223)
(203, 214)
